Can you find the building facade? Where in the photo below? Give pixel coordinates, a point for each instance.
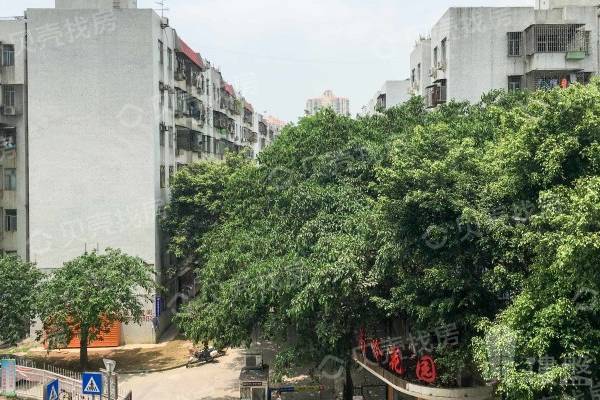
(341, 105)
(391, 94)
(474, 50)
(101, 103)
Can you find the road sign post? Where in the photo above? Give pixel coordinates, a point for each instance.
(52, 390)
(91, 383)
(110, 368)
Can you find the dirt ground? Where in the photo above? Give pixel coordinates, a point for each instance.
(164, 355)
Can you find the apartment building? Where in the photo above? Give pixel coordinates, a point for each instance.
(340, 105)
(392, 93)
(101, 103)
(473, 50)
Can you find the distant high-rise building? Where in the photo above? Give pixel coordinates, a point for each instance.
(340, 105)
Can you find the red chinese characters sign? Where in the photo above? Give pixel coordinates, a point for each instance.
(395, 363)
(425, 367)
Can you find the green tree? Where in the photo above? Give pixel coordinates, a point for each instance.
(18, 284)
(482, 215)
(89, 294)
(294, 245)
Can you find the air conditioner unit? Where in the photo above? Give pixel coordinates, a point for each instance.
(164, 22)
(253, 361)
(9, 110)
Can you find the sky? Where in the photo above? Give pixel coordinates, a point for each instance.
(279, 53)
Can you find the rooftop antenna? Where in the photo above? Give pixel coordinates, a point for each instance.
(162, 7)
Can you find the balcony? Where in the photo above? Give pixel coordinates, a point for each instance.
(248, 116)
(223, 123)
(8, 138)
(436, 94)
(248, 135)
(556, 47)
(189, 140)
(557, 38)
(262, 128)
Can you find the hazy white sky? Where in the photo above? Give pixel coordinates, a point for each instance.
(281, 52)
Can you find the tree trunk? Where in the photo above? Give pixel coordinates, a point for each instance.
(348, 385)
(83, 349)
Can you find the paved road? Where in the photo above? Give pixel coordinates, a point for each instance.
(214, 381)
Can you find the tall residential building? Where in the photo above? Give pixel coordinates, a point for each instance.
(391, 94)
(101, 103)
(474, 50)
(340, 105)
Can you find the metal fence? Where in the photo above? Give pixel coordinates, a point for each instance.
(32, 376)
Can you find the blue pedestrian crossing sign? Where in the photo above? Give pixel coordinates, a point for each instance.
(51, 390)
(91, 383)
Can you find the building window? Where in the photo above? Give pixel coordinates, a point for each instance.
(419, 72)
(162, 176)
(10, 220)
(161, 55)
(171, 173)
(8, 55)
(444, 55)
(514, 83)
(10, 179)
(170, 58)
(8, 95)
(412, 76)
(435, 57)
(515, 40)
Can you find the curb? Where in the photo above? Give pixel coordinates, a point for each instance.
(151, 371)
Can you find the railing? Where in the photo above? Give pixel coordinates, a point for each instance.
(557, 38)
(31, 378)
(421, 391)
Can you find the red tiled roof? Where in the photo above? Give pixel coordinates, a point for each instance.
(191, 54)
(229, 89)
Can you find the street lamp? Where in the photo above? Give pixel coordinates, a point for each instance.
(110, 368)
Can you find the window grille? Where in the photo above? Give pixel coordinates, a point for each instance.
(515, 42)
(557, 39)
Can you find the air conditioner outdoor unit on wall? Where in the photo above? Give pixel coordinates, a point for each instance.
(9, 110)
(164, 22)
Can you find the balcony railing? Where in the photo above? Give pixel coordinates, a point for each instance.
(262, 128)
(557, 38)
(436, 94)
(422, 391)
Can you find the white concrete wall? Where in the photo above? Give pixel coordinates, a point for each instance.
(93, 137)
(94, 144)
(94, 4)
(421, 55)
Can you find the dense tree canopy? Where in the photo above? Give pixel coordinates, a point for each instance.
(485, 216)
